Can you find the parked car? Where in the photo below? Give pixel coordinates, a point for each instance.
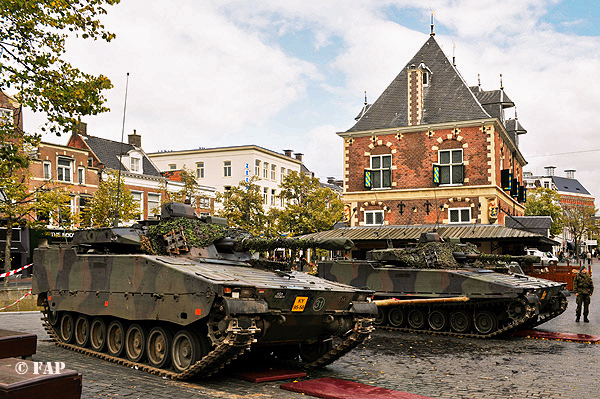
(546, 257)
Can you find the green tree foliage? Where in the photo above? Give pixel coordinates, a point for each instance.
(545, 202)
(309, 207)
(32, 55)
(102, 208)
(21, 206)
(33, 66)
(580, 220)
(243, 207)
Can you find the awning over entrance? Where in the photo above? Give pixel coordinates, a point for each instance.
(467, 233)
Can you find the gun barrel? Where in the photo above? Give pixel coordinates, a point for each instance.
(394, 301)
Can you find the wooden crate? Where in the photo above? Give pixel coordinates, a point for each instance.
(19, 381)
(17, 344)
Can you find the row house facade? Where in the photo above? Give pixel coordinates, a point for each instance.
(432, 150)
(226, 167)
(572, 194)
(140, 175)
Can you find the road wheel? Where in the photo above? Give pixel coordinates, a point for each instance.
(485, 322)
(416, 319)
(82, 331)
(396, 317)
(312, 352)
(438, 320)
(115, 338)
(66, 327)
(187, 349)
(158, 347)
(460, 322)
(381, 315)
(135, 342)
(98, 334)
(53, 317)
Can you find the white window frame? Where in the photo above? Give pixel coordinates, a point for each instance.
(135, 164)
(273, 171)
(63, 171)
(226, 168)
(371, 217)
(265, 170)
(172, 166)
(81, 175)
(257, 167)
(47, 170)
(273, 196)
(426, 77)
(282, 174)
(451, 165)
(380, 171)
(140, 202)
(459, 213)
(265, 194)
(200, 170)
(153, 206)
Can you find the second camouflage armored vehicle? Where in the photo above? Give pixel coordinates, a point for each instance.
(450, 288)
(183, 298)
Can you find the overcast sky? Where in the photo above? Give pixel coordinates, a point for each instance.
(290, 74)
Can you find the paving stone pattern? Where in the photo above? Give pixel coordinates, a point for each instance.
(435, 366)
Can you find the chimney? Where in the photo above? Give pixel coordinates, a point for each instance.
(298, 156)
(81, 128)
(549, 170)
(135, 140)
(570, 173)
(288, 153)
(415, 95)
(331, 180)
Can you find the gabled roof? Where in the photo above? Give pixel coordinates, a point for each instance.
(446, 98)
(569, 185)
(107, 152)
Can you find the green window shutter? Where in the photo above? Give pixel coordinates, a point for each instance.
(436, 173)
(368, 183)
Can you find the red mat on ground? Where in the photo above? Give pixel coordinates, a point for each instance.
(334, 388)
(557, 335)
(269, 375)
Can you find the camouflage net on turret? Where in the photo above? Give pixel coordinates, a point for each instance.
(442, 254)
(201, 234)
(197, 233)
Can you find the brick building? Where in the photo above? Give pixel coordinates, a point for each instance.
(433, 150)
(139, 173)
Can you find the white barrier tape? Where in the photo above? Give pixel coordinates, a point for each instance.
(10, 273)
(17, 301)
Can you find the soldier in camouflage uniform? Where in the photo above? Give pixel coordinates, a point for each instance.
(583, 288)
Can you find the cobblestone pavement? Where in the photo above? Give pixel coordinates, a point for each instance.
(435, 366)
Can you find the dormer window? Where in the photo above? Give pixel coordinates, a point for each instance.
(134, 164)
(425, 78)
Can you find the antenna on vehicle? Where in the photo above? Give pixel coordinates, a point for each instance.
(116, 220)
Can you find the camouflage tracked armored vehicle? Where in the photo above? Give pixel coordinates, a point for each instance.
(450, 288)
(186, 306)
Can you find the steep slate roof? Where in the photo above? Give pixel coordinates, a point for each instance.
(107, 152)
(447, 98)
(569, 185)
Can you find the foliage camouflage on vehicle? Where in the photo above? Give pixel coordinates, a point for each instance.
(494, 302)
(193, 311)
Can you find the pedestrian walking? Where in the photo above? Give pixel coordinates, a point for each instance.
(583, 287)
(589, 258)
